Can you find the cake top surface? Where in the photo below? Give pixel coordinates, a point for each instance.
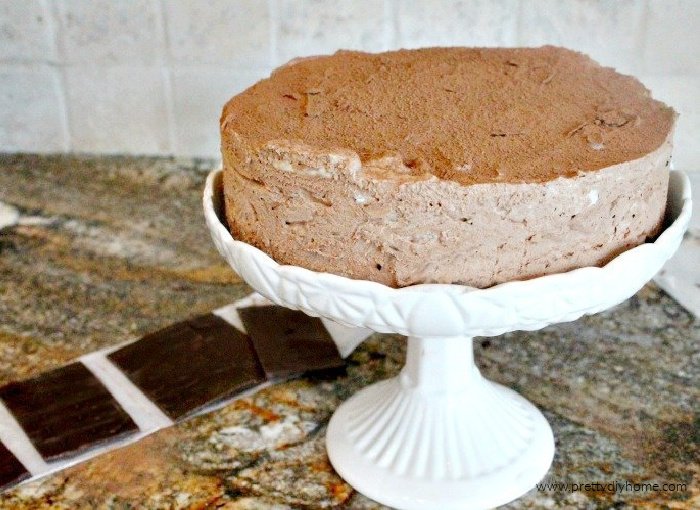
(472, 115)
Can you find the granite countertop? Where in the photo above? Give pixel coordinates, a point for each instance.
(106, 249)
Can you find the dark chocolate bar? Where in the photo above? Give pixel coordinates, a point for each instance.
(190, 364)
(11, 470)
(289, 342)
(66, 410)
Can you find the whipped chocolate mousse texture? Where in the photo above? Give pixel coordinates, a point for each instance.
(446, 165)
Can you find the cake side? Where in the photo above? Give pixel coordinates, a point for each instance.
(326, 211)
(470, 115)
(446, 165)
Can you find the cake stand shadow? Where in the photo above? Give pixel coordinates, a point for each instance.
(440, 435)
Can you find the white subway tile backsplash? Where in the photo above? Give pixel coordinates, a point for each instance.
(609, 31)
(681, 92)
(457, 23)
(199, 94)
(231, 33)
(109, 32)
(151, 76)
(673, 37)
(31, 116)
(25, 34)
(316, 27)
(117, 109)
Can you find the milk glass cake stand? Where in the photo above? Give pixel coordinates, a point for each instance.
(440, 436)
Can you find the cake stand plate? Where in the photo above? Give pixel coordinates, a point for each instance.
(440, 435)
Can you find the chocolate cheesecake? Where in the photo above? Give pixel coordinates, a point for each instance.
(446, 165)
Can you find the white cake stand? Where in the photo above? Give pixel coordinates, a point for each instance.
(440, 435)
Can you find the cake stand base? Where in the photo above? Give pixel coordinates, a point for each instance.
(440, 435)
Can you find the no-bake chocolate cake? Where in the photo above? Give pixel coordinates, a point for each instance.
(446, 165)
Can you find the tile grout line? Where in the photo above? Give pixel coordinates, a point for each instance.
(390, 25)
(272, 10)
(16, 440)
(642, 43)
(166, 76)
(147, 415)
(54, 33)
(520, 9)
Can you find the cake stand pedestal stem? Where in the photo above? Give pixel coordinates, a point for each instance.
(439, 365)
(440, 435)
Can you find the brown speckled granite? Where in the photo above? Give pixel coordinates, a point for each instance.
(620, 389)
(102, 255)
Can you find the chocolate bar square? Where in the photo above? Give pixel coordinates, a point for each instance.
(11, 470)
(289, 342)
(191, 364)
(66, 410)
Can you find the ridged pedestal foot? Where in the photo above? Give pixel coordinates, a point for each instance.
(439, 435)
